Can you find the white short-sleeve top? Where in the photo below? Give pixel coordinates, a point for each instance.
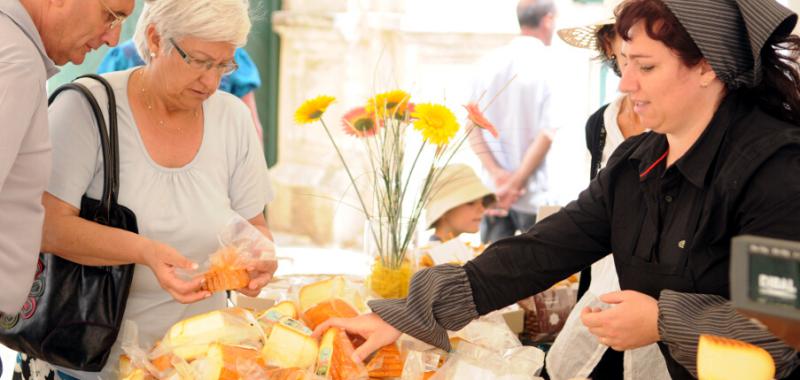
(183, 207)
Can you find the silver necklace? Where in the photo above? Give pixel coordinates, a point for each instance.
(149, 104)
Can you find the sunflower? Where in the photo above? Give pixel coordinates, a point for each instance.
(436, 122)
(475, 115)
(312, 109)
(357, 122)
(389, 104)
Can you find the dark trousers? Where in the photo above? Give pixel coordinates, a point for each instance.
(494, 228)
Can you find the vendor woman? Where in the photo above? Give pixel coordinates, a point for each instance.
(722, 159)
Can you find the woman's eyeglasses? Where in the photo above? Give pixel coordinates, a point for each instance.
(205, 65)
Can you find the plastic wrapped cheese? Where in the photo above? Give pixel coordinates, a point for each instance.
(335, 358)
(387, 362)
(191, 337)
(290, 345)
(332, 308)
(332, 288)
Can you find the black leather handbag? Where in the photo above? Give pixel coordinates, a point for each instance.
(74, 312)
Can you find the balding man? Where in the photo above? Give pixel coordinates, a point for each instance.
(35, 36)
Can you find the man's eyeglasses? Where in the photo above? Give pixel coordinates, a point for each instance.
(198, 64)
(113, 20)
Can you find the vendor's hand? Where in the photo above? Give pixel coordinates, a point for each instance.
(631, 322)
(163, 260)
(375, 330)
(260, 273)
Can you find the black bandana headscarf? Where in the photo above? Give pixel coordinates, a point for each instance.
(731, 33)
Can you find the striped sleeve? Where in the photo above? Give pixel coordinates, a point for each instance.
(684, 316)
(439, 299)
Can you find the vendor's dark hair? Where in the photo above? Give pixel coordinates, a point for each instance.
(660, 25)
(604, 45)
(779, 91)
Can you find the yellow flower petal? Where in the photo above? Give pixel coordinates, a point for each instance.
(388, 104)
(436, 123)
(312, 109)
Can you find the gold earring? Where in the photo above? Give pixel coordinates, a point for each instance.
(703, 84)
(152, 55)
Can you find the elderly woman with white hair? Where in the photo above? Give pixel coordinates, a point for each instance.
(190, 160)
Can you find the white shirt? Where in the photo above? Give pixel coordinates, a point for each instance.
(577, 351)
(183, 207)
(520, 112)
(24, 151)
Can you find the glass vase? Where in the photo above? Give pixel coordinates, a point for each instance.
(388, 243)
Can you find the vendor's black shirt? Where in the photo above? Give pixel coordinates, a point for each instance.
(669, 228)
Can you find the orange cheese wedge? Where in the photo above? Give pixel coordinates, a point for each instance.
(387, 362)
(333, 308)
(226, 361)
(335, 358)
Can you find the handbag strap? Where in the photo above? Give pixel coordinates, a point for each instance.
(112, 133)
(109, 146)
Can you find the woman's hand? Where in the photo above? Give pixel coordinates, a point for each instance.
(260, 272)
(631, 322)
(163, 260)
(375, 330)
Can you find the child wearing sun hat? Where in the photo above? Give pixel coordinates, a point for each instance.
(458, 201)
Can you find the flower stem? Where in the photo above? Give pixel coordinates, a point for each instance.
(349, 174)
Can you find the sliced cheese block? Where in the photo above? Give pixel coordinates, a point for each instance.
(138, 374)
(163, 362)
(335, 358)
(191, 337)
(226, 361)
(319, 291)
(387, 362)
(125, 366)
(333, 308)
(729, 359)
(282, 311)
(278, 312)
(290, 345)
(454, 341)
(288, 374)
(285, 308)
(335, 287)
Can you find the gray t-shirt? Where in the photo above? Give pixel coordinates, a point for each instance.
(24, 151)
(183, 207)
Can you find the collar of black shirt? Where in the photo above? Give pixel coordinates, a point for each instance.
(696, 163)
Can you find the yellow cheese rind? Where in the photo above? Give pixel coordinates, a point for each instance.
(290, 347)
(729, 359)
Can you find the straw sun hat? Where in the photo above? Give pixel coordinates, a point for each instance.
(458, 184)
(583, 36)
